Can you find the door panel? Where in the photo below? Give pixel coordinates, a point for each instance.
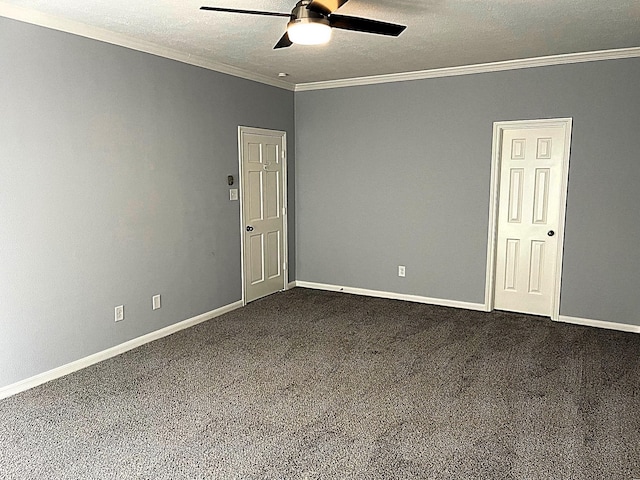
(254, 190)
(253, 152)
(541, 196)
(263, 199)
(536, 268)
(272, 194)
(530, 192)
(273, 254)
(256, 258)
(511, 264)
(516, 182)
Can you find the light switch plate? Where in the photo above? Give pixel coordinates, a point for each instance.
(233, 194)
(155, 302)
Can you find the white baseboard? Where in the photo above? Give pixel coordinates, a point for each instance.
(291, 285)
(63, 370)
(623, 327)
(392, 295)
(76, 365)
(587, 322)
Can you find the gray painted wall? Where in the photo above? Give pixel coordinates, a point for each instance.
(113, 168)
(113, 171)
(399, 173)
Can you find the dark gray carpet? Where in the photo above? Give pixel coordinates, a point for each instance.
(315, 385)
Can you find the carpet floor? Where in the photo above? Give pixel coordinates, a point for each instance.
(319, 385)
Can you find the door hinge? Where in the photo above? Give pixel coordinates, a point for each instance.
(284, 210)
(284, 266)
(284, 153)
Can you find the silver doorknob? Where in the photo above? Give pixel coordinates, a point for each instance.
(551, 233)
(249, 228)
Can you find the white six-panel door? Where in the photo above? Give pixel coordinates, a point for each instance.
(262, 157)
(532, 191)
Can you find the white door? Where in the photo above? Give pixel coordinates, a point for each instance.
(533, 169)
(263, 196)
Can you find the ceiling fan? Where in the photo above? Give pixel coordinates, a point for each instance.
(311, 21)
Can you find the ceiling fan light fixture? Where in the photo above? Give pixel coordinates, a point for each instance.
(309, 31)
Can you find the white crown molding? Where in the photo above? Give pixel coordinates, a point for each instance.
(392, 295)
(587, 322)
(34, 17)
(85, 362)
(473, 69)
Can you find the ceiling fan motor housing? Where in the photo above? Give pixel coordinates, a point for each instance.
(301, 14)
(307, 27)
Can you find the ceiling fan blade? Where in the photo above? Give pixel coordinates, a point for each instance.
(248, 12)
(365, 25)
(325, 7)
(284, 42)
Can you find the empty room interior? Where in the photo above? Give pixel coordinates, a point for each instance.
(405, 253)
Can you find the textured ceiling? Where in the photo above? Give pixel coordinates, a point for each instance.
(440, 33)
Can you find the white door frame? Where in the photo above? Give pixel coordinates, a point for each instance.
(263, 131)
(498, 129)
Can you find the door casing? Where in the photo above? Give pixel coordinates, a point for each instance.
(494, 202)
(262, 131)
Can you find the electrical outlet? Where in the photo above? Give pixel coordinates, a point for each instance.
(401, 271)
(155, 302)
(119, 313)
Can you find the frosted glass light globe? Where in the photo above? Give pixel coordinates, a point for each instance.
(309, 32)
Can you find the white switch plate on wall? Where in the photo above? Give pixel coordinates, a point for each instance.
(155, 302)
(233, 194)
